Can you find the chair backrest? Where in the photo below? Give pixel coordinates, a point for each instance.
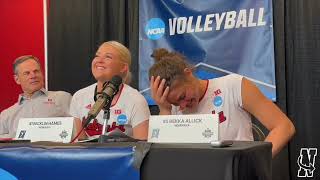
(258, 134)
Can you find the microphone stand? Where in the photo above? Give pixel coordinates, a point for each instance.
(114, 136)
(106, 117)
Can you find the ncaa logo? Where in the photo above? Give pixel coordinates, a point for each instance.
(217, 101)
(306, 162)
(155, 28)
(122, 119)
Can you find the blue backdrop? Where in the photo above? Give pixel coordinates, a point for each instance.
(219, 37)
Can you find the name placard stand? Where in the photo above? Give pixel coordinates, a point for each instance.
(193, 128)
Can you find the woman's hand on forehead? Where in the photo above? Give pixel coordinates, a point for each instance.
(159, 93)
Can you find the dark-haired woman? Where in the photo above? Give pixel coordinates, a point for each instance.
(177, 91)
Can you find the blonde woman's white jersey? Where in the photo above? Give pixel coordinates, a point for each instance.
(130, 110)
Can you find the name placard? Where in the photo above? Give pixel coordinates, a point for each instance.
(199, 128)
(57, 129)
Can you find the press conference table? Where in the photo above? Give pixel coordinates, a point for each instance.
(241, 161)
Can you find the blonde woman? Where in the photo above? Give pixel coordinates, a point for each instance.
(129, 111)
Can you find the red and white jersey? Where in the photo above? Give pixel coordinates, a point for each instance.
(130, 110)
(223, 97)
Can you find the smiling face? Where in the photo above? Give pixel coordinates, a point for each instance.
(107, 63)
(29, 76)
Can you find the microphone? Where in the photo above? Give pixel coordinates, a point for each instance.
(104, 99)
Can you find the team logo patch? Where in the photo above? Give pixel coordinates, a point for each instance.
(217, 101)
(217, 92)
(117, 111)
(122, 119)
(49, 101)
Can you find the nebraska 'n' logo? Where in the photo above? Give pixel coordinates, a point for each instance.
(306, 162)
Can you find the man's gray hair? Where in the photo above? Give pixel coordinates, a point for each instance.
(22, 59)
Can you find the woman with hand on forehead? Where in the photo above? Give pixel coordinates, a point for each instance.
(129, 110)
(177, 91)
